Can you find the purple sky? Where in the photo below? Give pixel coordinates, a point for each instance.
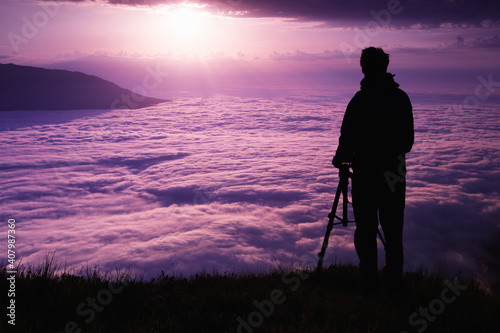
(241, 43)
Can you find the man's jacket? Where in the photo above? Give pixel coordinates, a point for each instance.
(377, 129)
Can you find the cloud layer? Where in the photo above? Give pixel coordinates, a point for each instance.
(404, 13)
(233, 183)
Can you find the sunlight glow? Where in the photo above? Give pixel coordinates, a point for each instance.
(189, 29)
(186, 21)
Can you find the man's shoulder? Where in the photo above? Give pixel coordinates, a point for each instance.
(403, 95)
(359, 94)
(357, 98)
(394, 91)
(372, 97)
(401, 91)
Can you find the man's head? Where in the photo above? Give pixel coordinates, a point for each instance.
(374, 61)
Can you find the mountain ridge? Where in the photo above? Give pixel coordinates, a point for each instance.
(35, 88)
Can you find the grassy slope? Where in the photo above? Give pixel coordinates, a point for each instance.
(46, 302)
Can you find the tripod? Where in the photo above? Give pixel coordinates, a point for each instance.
(344, 174)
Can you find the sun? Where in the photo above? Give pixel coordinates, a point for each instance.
(185, 29)
(185, 21)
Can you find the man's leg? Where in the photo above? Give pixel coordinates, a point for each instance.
(365, 236)
(391, 213)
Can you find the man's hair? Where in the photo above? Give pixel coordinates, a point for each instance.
(374, 60)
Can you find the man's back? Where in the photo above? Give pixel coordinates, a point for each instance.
(377, 126)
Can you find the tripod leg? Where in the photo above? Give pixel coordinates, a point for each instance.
(345, 219)
(381, 237)
(329, 227)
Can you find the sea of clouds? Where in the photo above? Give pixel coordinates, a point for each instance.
(239, 184)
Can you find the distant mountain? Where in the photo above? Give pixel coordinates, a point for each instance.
(33, 88)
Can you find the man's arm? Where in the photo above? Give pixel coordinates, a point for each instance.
(348, 135)
(409, 132)
(410, 128)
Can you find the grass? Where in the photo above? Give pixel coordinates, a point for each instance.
(277, 301)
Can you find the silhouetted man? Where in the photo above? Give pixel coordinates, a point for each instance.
(376, 133)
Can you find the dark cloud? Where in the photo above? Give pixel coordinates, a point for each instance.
(403, 13)
(478, 43)
(140, 163)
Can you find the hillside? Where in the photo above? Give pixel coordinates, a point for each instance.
(33, 88)
(278, 301)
